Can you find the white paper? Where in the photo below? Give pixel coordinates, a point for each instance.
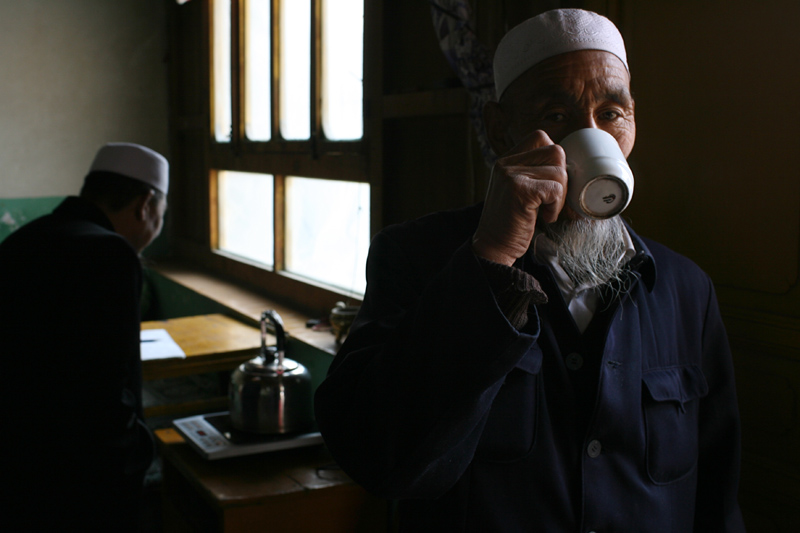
(157, 344)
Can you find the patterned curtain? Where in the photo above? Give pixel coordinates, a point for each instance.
(469, 58)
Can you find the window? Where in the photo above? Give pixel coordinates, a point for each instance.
(327, 231)
(288, 157)
(245, 216)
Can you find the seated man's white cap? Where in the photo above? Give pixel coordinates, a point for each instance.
(134, 161)
(550, 34)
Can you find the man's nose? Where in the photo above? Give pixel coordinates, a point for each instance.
(577, 123)
(585, 121)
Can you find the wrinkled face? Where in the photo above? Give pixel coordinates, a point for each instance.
(568, 92)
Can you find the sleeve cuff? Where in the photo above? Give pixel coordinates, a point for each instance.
(514, 290)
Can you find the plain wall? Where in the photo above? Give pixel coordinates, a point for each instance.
(75, 74)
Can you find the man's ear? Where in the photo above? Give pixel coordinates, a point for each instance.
(496, 128)
(141, 205)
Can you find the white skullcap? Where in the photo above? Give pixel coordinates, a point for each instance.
(550, 34)
(134, 161)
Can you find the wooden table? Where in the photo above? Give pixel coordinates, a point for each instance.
(299, 490)
(212, 343)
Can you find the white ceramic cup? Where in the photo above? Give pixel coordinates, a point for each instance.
(600, 180)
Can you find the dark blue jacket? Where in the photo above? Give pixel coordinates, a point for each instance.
(436, 400)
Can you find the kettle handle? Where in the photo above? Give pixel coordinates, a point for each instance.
(272, 316)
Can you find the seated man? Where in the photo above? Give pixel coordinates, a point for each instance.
(70, 284)
(516, 367)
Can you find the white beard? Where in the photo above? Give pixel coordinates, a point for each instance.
(589, 251)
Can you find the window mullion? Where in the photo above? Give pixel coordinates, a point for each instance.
(279, 212)
(316, 70)
(237, 73)
(276, 68)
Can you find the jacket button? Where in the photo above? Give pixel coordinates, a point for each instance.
(594, 449)
(574, 361)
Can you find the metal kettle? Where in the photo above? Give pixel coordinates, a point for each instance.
(271, 394)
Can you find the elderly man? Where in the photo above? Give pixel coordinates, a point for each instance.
(70, 284)
(516, 367)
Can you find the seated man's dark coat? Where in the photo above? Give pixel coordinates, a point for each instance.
(71, 380)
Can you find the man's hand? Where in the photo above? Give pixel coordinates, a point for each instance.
(530, 180)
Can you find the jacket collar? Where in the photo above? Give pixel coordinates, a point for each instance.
(78, 208)
(643, 262)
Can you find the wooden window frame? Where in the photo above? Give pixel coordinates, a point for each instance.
(357, 161)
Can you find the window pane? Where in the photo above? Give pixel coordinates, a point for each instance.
(343, 54)
(246, 224)
(258, 74)
(223, 122)
(327, 231)
(295, 69)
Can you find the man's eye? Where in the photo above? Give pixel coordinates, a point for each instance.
(610, 115)
(556, 117)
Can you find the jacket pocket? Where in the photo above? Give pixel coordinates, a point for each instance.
(671, 419)
(511, 425)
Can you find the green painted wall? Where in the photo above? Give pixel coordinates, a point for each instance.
(16, 212)
(162, 298)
